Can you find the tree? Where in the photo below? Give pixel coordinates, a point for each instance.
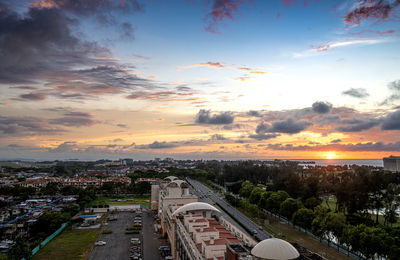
(312, 202)
(274, 201)
(289, 207)
(19, 250)
(246, 189)
(318, 225)
(255, 195)
(303, 218)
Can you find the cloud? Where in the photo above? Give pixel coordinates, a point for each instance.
(336, 141)
(233, 126)
(74, 121)
(258, 72)
(254, 113)
(288, 126)
(210, 64)
(218, 137)
(39, 47)
(379, 10)
(243, 78)
(317, 50)
(170, 95)
(392, 121)
(220, 10)
(33, 96)
(356, 92)
(127, 30)
(321, 107)
(369, 146)
(358, 125)
(329, 119)
(205, 117)
(394, 88)
(25, 126)
(157, 145)
(263, 136)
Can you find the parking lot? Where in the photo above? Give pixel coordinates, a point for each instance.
(118, 243)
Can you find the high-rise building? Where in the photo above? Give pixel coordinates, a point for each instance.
(392, 163)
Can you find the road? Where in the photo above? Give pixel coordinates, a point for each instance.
(203, 190)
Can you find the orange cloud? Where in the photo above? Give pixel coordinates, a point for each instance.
(217, 65)
(258, 72)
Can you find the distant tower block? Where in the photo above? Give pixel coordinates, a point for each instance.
(392, 163)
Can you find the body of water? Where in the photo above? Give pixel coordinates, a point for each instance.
(366, 162)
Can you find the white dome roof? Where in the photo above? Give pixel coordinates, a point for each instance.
(195, 206)
(275, 248)
(170, 178)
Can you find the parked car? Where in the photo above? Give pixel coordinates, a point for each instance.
(100, 243)
(135, 241)
(255, 232)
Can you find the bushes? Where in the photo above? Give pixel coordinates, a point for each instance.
(133, 228)
(132, 232)
(303, 218)
(289, 207)
(106, 231)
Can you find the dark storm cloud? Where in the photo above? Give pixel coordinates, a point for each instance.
(392, 121)
(205, 117)
(378, 10)
(321, 107)
(254, 113)
(77, 114)
(218, 137)
(165, 95)
(40, 46)
(33, 96)
(127, 30)
(90, 7)
(27, 126)
(263, 136)
(39, 42)
(157, 145)
(356, 92)
(74, 119)
(394, 88)
(288, 126)
(328, 120)
(220, 10)
(357, 125)
(370, 146)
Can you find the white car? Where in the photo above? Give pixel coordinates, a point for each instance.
(100, 243)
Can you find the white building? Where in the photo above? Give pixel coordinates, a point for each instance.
(392, 163)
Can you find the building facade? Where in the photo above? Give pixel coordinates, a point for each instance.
(392, 163)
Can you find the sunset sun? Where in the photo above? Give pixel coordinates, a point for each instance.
(330, 155)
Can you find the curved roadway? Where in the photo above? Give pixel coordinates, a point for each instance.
(245, 221)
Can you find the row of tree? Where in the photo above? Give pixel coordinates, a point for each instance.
(350, 230)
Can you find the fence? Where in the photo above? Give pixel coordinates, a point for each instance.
(49, 238)
(332, 244)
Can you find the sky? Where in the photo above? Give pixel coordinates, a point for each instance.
(199, 79)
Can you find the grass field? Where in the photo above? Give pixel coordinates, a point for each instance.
(121, 200)
(71, 244)
(284, 231)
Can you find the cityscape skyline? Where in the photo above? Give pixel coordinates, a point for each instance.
(219, 79)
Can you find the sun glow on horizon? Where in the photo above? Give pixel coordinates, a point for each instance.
(330, 155)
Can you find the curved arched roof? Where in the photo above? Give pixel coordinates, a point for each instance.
(171, 178)
(275, 248)
(195, 206)
(181, 183)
